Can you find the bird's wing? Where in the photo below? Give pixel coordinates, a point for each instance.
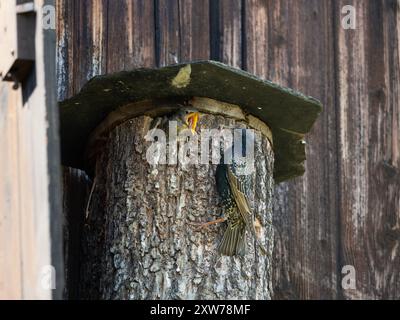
(242, 203)
(241, 200)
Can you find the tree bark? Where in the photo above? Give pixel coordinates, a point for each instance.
(138, 242)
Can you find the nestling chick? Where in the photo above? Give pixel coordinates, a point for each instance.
(185, 117)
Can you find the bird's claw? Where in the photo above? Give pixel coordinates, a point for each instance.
(199, 225)
(205, 225)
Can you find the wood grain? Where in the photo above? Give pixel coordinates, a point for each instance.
(369, 174)
(226, 31)
(30, 184)
(130, 41)
(345, 210)
(76, 190)
(182, 31)
(139, 241)
(10, 216)
(282, 46)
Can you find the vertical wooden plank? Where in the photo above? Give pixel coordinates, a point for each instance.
(64, 49)
(81, 43)
(195, 30)
(54, 184)
(167, 32)
(10, 222)
(89, 38)
(226, 31)
(118, 32)
(131, 28)
(256, 38)
(64, 77)
(102, 36)
(29, 134)
(99, 36)
(182, 31)
(76, 190)
(368, 100)
(282, 45)
(142, 36)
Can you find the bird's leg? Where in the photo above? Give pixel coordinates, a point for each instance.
(202, 225)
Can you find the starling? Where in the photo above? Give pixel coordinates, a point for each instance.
(234, 189)
(186, 118)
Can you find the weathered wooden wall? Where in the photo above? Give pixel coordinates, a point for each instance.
(345, 210)
(30, 182)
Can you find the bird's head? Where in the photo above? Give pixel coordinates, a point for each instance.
(189, 118)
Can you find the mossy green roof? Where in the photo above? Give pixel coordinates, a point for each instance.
(288, 113)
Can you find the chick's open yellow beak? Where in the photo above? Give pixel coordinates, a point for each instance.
(192, 119)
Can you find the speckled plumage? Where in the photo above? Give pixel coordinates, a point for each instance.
(234, 190)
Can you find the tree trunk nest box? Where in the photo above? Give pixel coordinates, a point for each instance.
(152, 141)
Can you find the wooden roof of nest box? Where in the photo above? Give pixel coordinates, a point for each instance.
(289, 114)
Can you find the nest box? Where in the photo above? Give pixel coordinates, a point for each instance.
(289, 115)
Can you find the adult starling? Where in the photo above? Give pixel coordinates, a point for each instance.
(234, 187)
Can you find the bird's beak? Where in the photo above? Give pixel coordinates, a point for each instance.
(192, 119)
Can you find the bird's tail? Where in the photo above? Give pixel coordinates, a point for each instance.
(233, 242)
